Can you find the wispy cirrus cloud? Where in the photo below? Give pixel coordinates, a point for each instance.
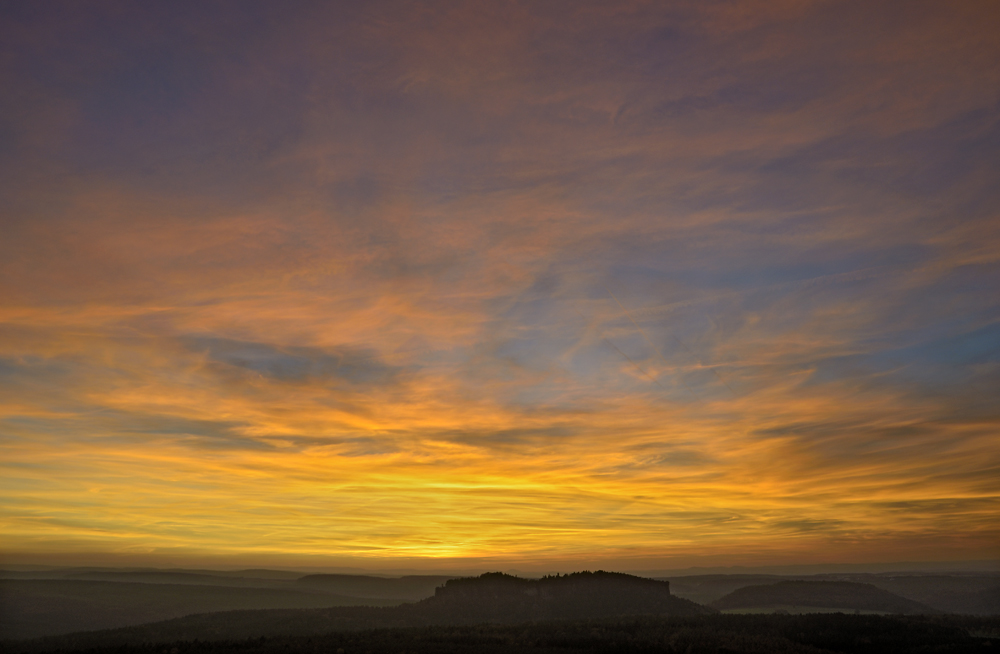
(621, 283)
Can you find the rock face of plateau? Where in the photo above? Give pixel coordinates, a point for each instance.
(498, 597)
(819, 595)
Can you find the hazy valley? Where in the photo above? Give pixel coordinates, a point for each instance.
(73, 609)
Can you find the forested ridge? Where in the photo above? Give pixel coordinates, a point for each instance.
(704, 634)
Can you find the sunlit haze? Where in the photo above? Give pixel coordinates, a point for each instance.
(471, 285)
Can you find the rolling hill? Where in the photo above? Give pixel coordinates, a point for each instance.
(63, 600)
(815, 596)
(412, 588)
(964, 593)
(41, 607)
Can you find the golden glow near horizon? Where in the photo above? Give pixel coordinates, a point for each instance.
(643, 285)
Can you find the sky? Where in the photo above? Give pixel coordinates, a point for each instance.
(574, 284)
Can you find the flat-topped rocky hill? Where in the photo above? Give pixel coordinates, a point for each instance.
(498, 597)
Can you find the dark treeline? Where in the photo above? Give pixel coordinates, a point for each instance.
(704, 634)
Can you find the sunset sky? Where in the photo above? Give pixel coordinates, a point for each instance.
(492, 284)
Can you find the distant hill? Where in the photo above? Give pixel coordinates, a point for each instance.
(968, 593)
(980, 602)
(845, 595)
(413, 587)
(705, 589)
(972, 594)
(491, 598)
(155, 575)
(41, 607)
(59, 601)
(172, 577)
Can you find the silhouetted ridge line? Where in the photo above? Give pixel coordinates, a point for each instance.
(550, 583)
(494, 598)
(410, 587)
(499, 597)
(821, 594)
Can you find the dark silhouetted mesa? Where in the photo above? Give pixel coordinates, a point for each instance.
(844, 595)
(497, 597)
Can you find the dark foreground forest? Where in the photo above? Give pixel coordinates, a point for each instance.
(704, 634)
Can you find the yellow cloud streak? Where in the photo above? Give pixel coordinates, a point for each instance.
(373, 402)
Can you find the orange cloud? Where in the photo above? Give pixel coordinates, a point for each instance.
(631, 284)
